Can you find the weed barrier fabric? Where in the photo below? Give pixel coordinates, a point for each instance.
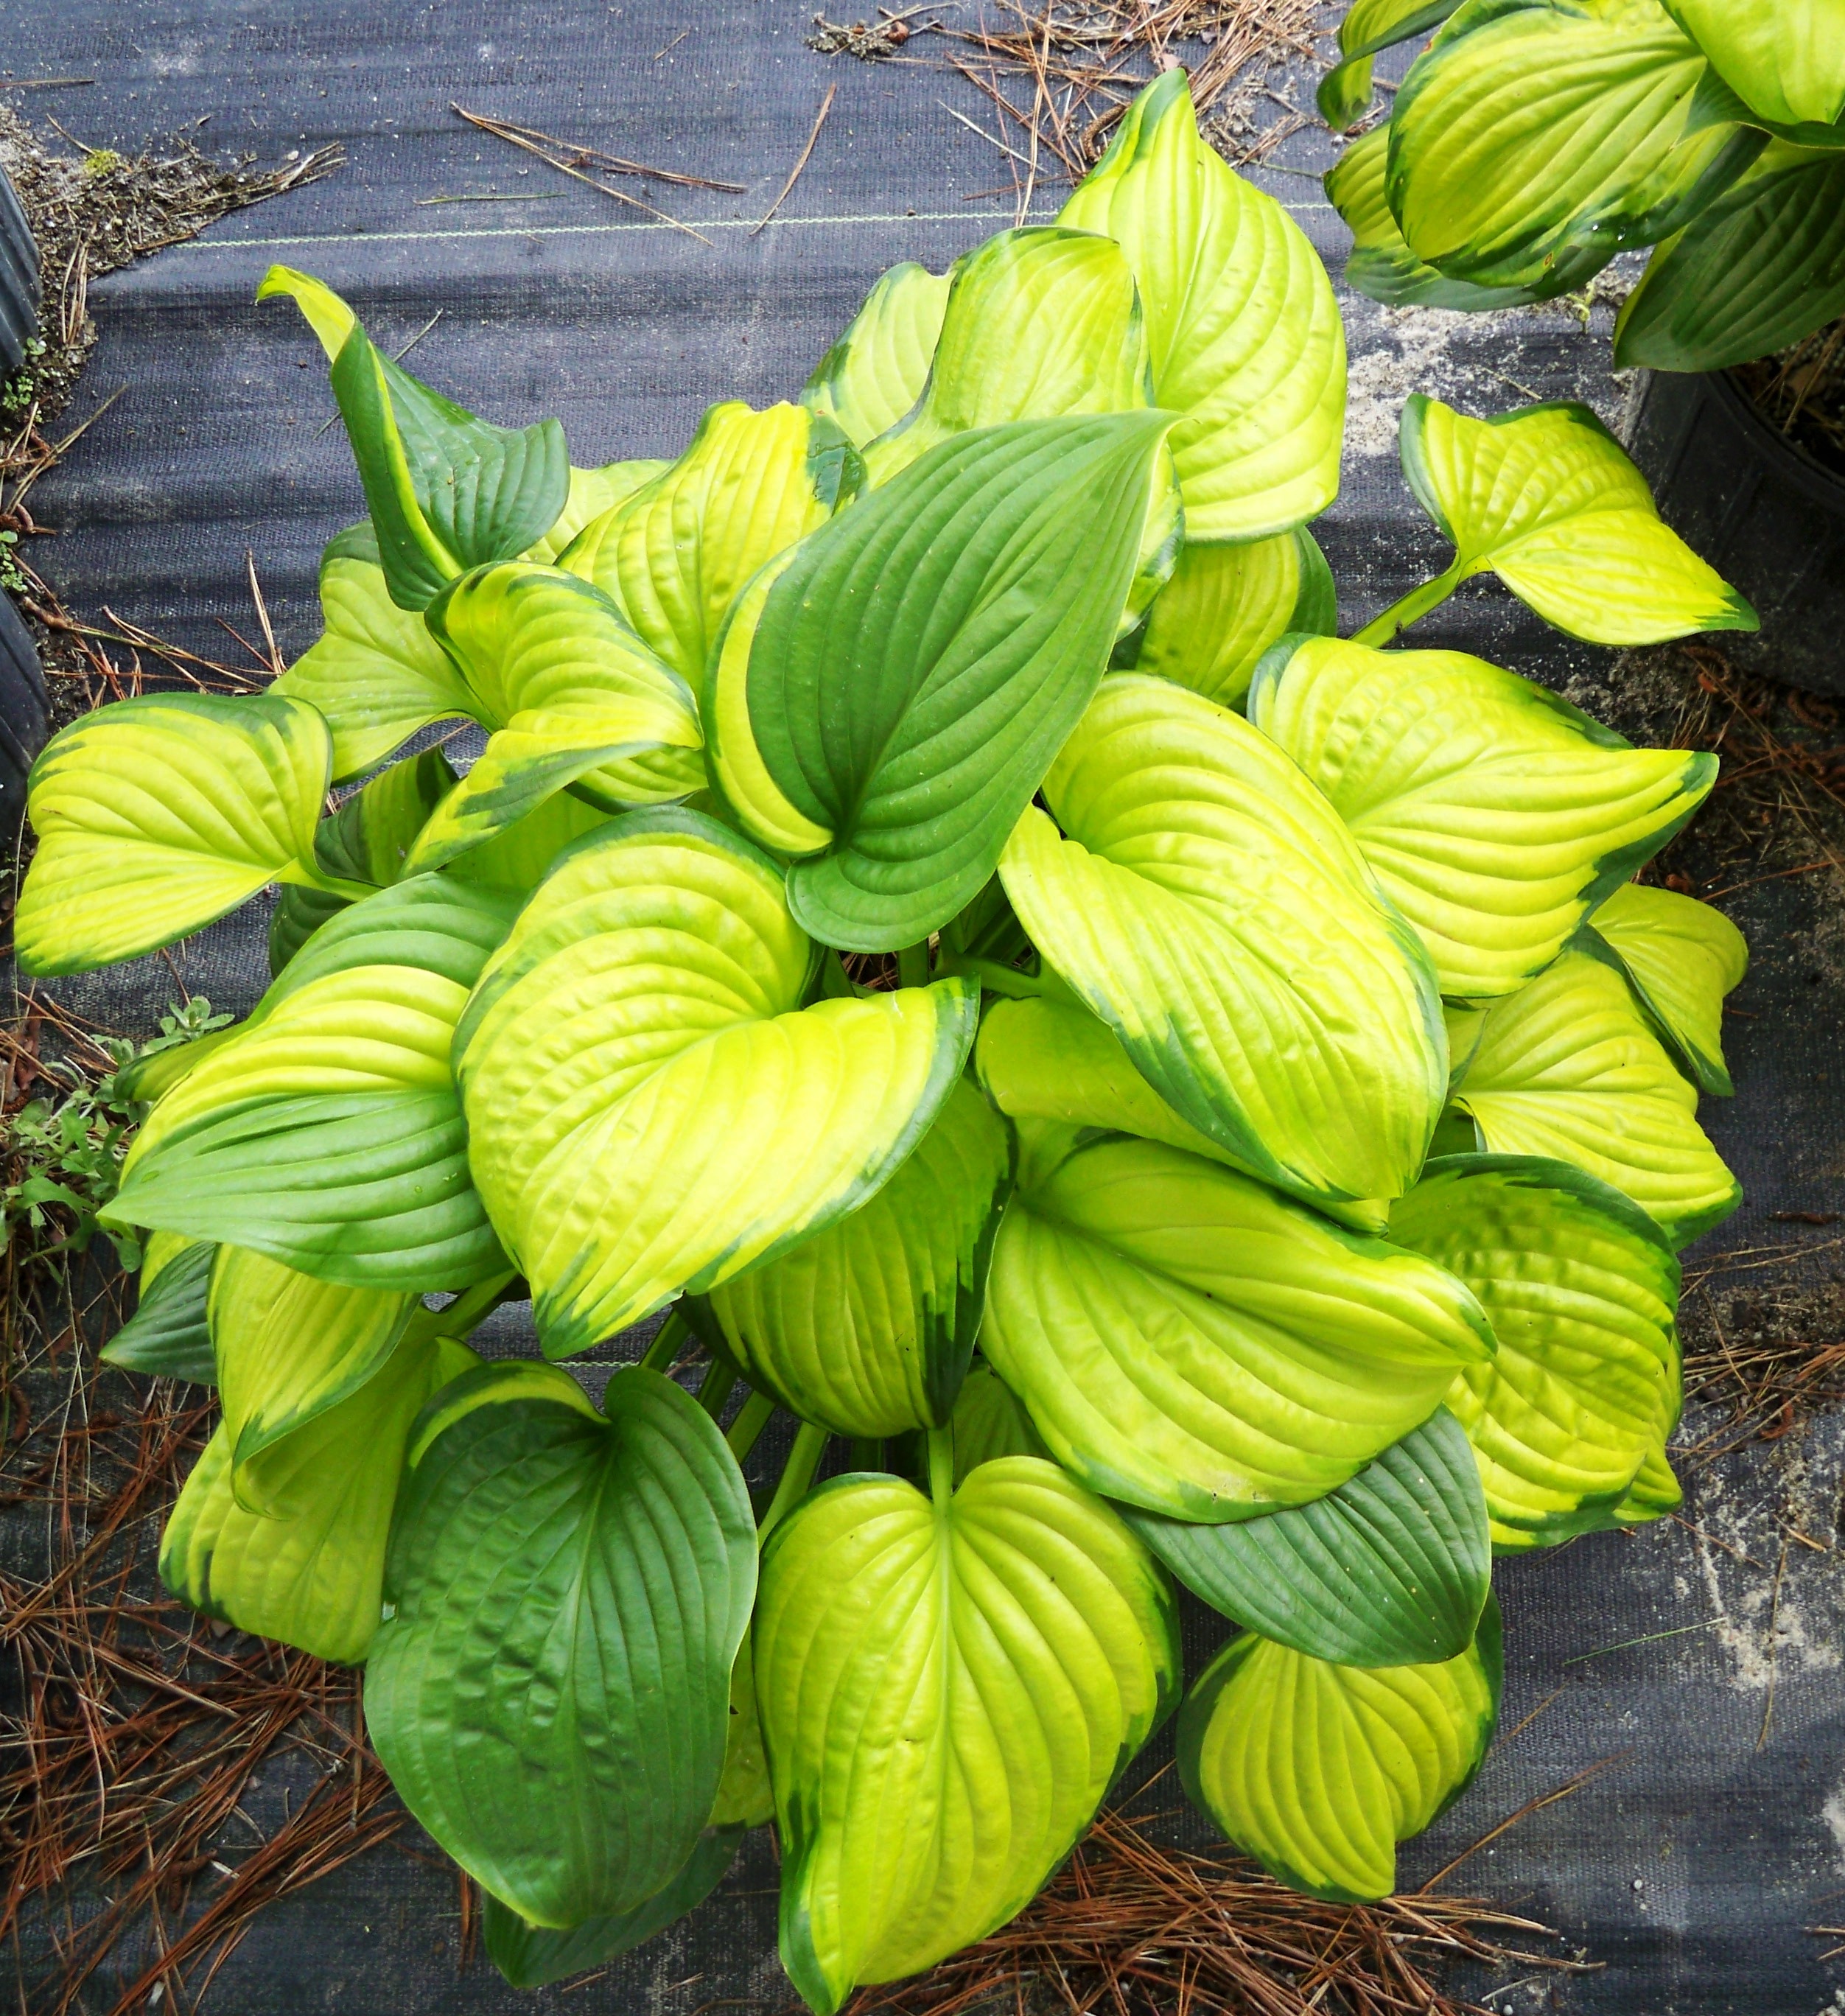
(1688, 1867)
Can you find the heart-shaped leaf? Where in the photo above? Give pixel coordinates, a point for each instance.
(1785, 60)
(892, 699)
(1567, 1068)
(551, 1692)
(1210, 905)
(168, 1336)
(1392, 1569)
(868, 1326)
(1546, 499)
(1319, 1770)
(1494, 814)
(1224, 605)
(876, 371)
(1187, 1340)
(651, 1107)
(1369, 25)
(947, 1690)
(1242, 332)
(1581, 1287)
(1681, 958)
(157, 815)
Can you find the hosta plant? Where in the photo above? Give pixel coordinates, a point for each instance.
(1185, 1100)
(1532, 140)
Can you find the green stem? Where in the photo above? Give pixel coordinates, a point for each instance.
(720, 1376)
(469, 1308)
(665, 1348)
(804, 1460)
(912, 966)
(752, 1418)
(941, 1466)
(1416, 604)
(867, 1452)
(996, 979)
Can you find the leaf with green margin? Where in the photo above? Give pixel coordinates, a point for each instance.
(1211, 907)
(1656, 1490)
(593, 492)
(981, 1670)
(157, 815)
(1527, 136)
(744, 1798)
(146, 1078)
(1318, 1770)
(533, 1955)
(1243, 332)
(1785, 60)
(551, 1692)
(519, 857)
(910, 673)
(1187, 1340)
(876, 371)
(1681, 958)
(1567, 1068)
(168, 1336)
(674, 556)
(314, 1581)
(1759, 269)
(1495, 816)
(1369, 25)
(445, 492)
(867, 1327)
(436, 923)
(1392, 1569)
(1546, 498)
(1224, 605)
(651, 1107)
(1581, 1287)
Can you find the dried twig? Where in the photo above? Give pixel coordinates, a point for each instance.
(794, 172)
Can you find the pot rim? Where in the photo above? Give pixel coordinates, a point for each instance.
(1825, 486)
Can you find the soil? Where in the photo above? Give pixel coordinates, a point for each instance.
(1800, 392)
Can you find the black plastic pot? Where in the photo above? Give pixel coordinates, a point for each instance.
(25, 712)
(1767, 516)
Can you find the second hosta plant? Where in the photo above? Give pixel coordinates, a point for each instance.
(1183, 1098)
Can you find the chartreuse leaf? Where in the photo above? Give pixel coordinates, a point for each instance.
(168, 1336)
(1786, 61)
(673, 555)
(1581, 1287)
(313, 1580)
(744, 1798)
(1187, 1340)
(1762, 267)
(445, 490)
(1392, 1569)
(651, 1109)
(551, 1692)
(1243, 332)
(1528, 135)
(1369, 25)
(593, 492)
(1494, 814)
(890, 701)
(876, 371)
(1682, 957)
(1318, 1770)
(867, 1327)
(1224, 605)
(574, 698)
(157, 814)
(1655, 1490)
(1566, 1067)
(436, 923)
(1210, 905)
(1546, 499)
(518, 857)
(989, 1423)
(947, 1690)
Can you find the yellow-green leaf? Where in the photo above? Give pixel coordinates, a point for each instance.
(593, 492)
(1785, 58)
(876, 371)
(1682, 957)
(1224, 605)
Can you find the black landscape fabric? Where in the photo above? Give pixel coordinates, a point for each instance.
(1690, 1867)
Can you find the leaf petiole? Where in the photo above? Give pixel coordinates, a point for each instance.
(912, 966)
(798, 1477)
(1382, 630)
(660, 1353)
(995, 978)
(941, 1466)
(752, 1418)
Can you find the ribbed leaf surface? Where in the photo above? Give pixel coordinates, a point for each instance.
(168, 1336)
(1682, 958)
(1225, 605)
(876, 371)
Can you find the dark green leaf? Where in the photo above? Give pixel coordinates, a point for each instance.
(167, 1335)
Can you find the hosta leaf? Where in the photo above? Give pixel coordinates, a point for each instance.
(1546, 499)
(1786, 60)
(1682, 958)
(1580, 1286)
(868, 1326)
(1528, 135)
(1567, 1068)
(673, 556)
(1494, 814)
(1763, 267)
(947, 1690)
(651, 1107)
(989, 1423)
(1225, 605)
(908, 677)
(376, 674)
(436, 923)
(1319, 1770)
(1655, 1490)
(1392, 1569)
(593, 492)
(1242, 332)
(1369, 25)
(518, 857)
(157, 815)
(744, 1798)
(876, 371)
(168, 1336)
(1210, 905)
(551, 1692)
(313, 1580)
(1187, 1340)
(445, 490)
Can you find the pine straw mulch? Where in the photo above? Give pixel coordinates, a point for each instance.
(1801, 391)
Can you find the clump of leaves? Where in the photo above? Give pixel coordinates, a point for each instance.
(1285, 1088)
